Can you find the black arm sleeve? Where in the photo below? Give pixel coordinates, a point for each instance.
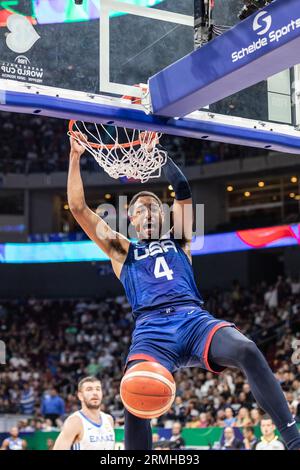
(177, 179)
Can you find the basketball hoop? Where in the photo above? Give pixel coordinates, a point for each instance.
(120, 151)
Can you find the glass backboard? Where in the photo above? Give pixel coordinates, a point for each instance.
(107, 46)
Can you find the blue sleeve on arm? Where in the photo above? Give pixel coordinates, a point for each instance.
(177, 179)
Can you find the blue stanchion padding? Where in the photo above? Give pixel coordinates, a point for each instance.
(264, 44)
(64, 108)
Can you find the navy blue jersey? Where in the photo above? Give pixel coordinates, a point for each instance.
(158, 274)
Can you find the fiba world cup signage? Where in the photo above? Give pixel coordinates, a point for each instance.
(20, 39)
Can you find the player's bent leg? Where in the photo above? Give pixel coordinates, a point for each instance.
(230, 348)
(138, 434)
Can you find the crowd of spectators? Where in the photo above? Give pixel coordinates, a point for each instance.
(32, 144)
(52, 344)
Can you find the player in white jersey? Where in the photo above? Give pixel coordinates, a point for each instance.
(14, 442)
(89, 428)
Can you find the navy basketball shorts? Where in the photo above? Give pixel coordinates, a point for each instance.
(176, 337)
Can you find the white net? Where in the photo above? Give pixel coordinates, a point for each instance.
(122, 152)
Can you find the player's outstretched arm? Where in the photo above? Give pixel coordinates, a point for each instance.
(71, 430)
(111, 242)
(182, 207)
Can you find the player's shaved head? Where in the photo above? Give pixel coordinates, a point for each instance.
(143, 194)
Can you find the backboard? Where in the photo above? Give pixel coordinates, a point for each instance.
(105, 47)
(102, 46)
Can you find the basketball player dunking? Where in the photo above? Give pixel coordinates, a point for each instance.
(88, 428)
(171, 325)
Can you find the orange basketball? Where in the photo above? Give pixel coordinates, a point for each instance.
(147, 390)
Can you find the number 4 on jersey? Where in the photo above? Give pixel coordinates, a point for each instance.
(161, 269)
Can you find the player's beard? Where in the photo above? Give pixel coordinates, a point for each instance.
(92, 406)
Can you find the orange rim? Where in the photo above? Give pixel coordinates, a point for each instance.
(108, 146)
(93, 145)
